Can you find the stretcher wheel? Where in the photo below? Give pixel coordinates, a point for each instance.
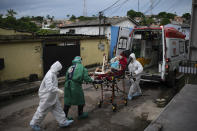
(96, 87)
(100, 104)
(125, 102)
(114, 107)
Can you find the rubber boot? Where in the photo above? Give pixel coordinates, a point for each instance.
(66, 109)
(81, 114)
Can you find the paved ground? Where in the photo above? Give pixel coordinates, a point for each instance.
(16, 114)
(180, 113)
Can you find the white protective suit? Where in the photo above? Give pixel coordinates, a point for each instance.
(49, 100)
(135, 68)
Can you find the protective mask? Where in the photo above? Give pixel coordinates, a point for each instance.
(131, 60)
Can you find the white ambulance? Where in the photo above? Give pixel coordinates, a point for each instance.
(159, 49)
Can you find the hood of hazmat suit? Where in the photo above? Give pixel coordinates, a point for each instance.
(48, 90)
(135, 67)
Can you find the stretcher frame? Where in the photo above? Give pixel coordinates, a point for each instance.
(109, 82)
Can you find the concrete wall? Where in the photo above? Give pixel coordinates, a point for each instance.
(24, 58)
(91, 51)
(193, 38)
(21, 59)
(12, 32)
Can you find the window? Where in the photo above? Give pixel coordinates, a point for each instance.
(174, 48)
(122, 43)
(181, 47)
(71, 31)
(186, 46)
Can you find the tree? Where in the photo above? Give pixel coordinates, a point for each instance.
(165, 21)
(11, 13)
(166, 15)
(187, 16)
(132, 14)
(170, 15)
(52, 25)
(147, 21)
(46, 32)
(38, 18)
(48, 17)
(67, 15)
(73, 18)
(22, 24)
(84, 18)
(52, 18)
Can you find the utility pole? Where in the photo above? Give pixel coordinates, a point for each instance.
(100, 17)
(151, 6)
(84, 8)
(193, 32)
(138, 6)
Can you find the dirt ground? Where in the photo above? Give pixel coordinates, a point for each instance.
(139, 112)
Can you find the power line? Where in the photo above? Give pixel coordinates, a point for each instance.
(119, 6)
(110, 6)
(152, 6)
(172, 6)
(177, 4)
(147, 2)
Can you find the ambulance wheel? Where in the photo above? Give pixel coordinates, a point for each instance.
(114, 107)
(172, 79)
(97, 86)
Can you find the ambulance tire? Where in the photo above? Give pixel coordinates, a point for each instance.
(171, 79)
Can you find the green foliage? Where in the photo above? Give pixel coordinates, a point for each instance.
(166, 15)
(50, 17)
(11, 13)
(38, 18)
(73, 18)
(132, 14)
(47, 32)
(52, 25)
(165, 21)
(22, 24)
(82, 18)
(147, 21)
(67, 15)
(187, 16)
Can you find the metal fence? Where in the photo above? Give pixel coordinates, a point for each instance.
(188, 67)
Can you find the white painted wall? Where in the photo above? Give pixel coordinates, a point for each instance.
(94, 30)
(126, 23)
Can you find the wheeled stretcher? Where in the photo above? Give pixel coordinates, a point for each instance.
(109, 82)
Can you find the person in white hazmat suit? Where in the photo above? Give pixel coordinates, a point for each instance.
(135, 68)
(49, 100)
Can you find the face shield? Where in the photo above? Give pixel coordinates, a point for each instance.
(131, 59)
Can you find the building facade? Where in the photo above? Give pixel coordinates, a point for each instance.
(21, 57)
(93, 27)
